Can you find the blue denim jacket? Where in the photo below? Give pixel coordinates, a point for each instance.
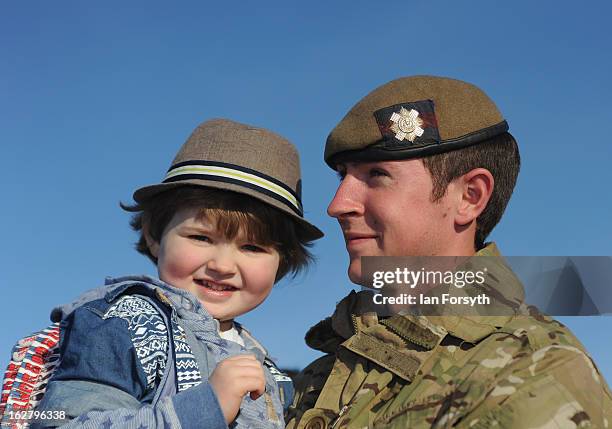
(107, 379)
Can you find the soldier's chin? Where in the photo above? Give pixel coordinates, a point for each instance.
(354, 271)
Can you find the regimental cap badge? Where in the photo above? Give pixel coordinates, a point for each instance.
(406, 124)
(412, 123)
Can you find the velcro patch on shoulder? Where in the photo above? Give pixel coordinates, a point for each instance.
(401, 364)
(410, 331)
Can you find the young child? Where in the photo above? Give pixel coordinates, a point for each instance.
(223, 227)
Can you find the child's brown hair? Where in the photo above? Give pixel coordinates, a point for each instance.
(233, 213)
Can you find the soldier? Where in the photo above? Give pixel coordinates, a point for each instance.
(427, 167)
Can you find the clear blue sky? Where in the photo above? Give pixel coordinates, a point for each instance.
(96, 97)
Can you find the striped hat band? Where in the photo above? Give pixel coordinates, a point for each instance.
(231, 173)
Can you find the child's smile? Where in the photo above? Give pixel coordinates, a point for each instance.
(229, 277)
(215, 286)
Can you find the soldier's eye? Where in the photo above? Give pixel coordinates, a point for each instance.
(377, 172)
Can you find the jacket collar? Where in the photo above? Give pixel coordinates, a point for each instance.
(353, 313)
(507, 293)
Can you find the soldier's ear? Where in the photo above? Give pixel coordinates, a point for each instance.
(475, 189)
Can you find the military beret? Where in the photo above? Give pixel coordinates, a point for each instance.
(412, 117)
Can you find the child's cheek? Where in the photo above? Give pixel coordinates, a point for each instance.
(180, 263)
(263, 276)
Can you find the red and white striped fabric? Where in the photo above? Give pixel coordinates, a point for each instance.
(32, 364)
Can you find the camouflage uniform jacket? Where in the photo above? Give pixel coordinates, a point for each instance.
(406, 371)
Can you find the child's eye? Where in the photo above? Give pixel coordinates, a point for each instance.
(341, 174)
(199, 237)
(253, 248)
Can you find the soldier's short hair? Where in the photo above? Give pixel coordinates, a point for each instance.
(500, 155)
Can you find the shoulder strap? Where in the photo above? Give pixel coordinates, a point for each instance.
(187, 370)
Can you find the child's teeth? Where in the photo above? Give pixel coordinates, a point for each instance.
(217, 287)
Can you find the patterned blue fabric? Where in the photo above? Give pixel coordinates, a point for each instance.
(148, 332)
(187, 371)
(150, 338)
(195, 404)
(267, 410)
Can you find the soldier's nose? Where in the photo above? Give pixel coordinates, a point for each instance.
(345, 202)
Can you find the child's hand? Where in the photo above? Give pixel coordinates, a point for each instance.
(235, 377)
